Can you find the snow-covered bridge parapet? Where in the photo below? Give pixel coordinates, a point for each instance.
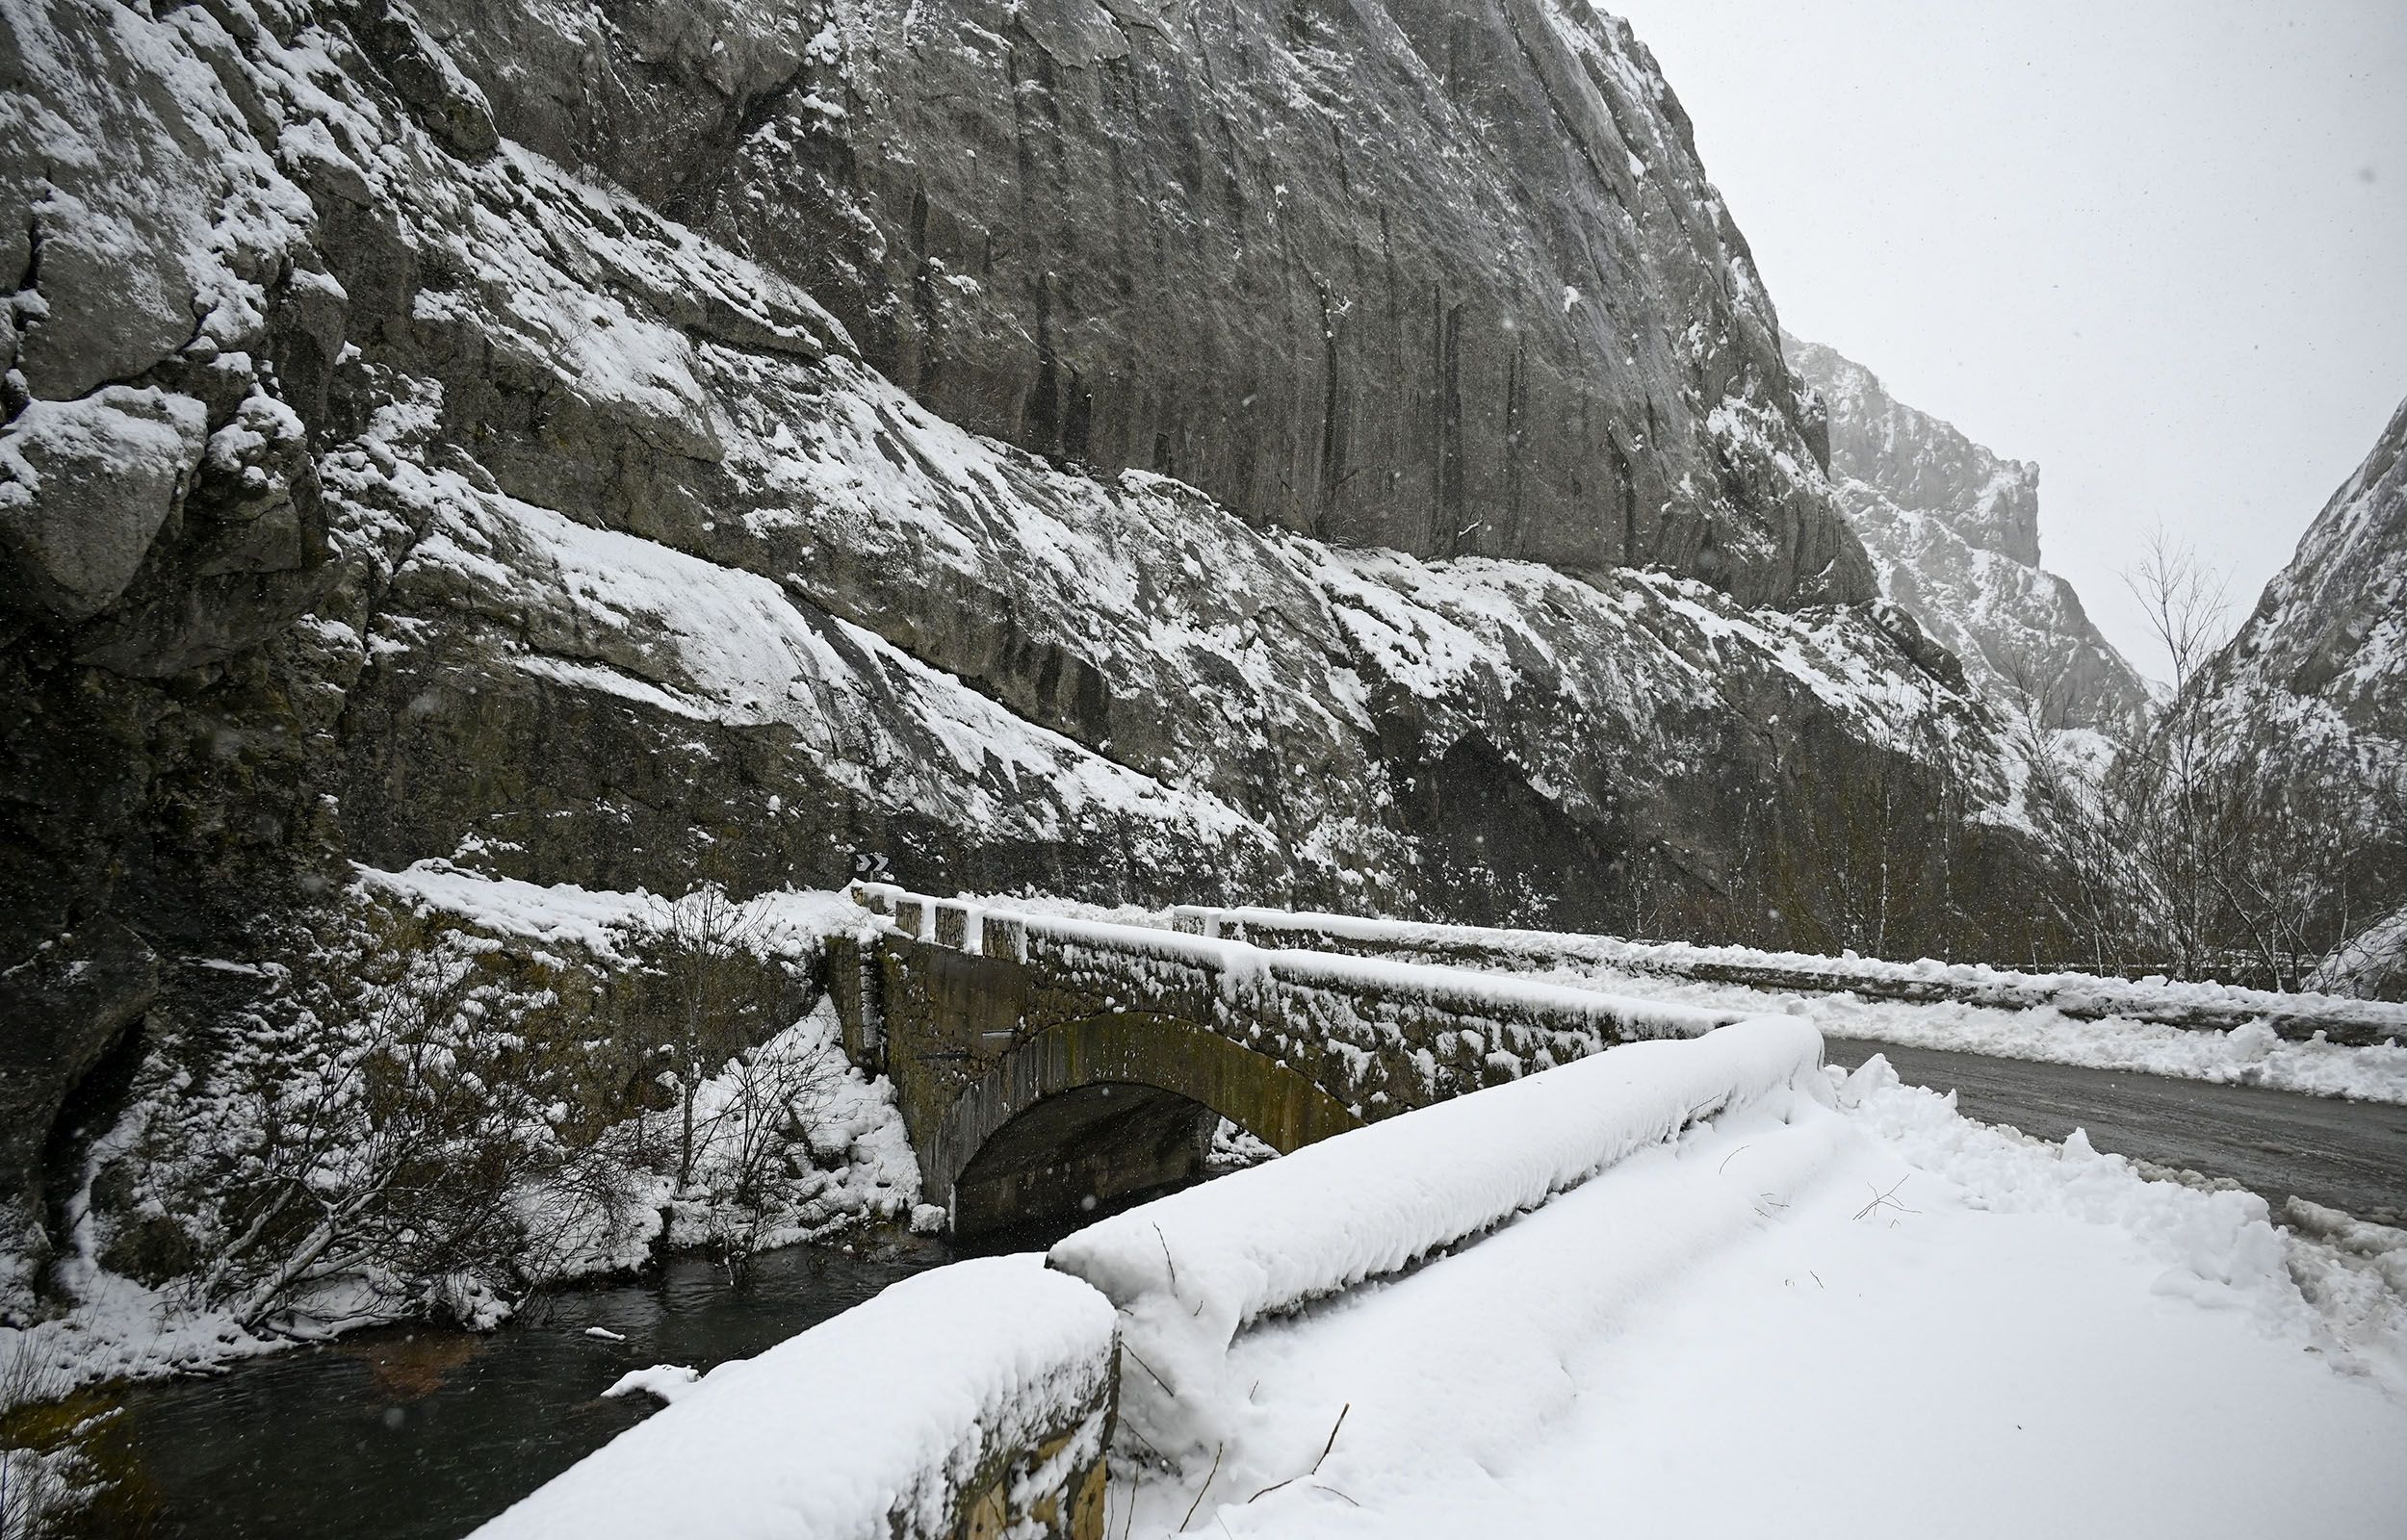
(1047, 1064)
(2084, 996)
(967, 1403)
(1193, 1272)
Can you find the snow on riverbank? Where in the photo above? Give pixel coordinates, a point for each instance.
(1865, 1323)
(791, 1142)
(855, 1165)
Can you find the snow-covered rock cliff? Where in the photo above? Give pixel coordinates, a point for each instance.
(1441, 275)
(2312, 692)
(1954, 533)
(2321, 664)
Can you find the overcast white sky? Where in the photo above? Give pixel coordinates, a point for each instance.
(2159, 247)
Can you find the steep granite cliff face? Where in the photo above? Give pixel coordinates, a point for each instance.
(459, 436)
(1953, 531)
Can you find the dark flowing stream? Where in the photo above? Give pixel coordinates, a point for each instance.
(422, 1435)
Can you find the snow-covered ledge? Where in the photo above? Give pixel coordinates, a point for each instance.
(972, 1399)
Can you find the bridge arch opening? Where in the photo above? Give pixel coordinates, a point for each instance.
(1089, 1115)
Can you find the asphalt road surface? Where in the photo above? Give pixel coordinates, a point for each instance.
(2348, 1155)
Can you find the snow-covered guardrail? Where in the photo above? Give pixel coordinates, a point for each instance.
(1244, 972)
(2086, 996)
(1188, 1272)
(974, 1399)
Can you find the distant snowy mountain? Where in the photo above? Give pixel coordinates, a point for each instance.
(1953, 532)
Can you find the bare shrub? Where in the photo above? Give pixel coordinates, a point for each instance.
(44, 1480)
(707, 939)
(761, 1138)
(747, 1101)
(388, 1126)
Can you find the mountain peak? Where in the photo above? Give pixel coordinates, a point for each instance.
(1953, 532)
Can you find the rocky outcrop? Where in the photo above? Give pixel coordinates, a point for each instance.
(169, 334)
(1954, 533)
(380, 490)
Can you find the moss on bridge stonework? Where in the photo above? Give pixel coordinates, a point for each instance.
(1054, 1490)
(1047, 1067)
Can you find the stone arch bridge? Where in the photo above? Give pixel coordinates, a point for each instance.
(1048, 1067)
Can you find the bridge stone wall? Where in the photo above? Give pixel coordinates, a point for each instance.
(1052, 1489)
(996, 1419)
(1047, 1066)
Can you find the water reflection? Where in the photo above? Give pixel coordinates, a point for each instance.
(422, 1435)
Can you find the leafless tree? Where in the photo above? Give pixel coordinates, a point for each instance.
(760, 1136)
(2091, 878)
(395, 1133)
(708, 936)
(2195, 852)
(2172, 787)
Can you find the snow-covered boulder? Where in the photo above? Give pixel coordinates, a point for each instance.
(2372, 964)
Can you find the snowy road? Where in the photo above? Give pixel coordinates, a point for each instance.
(2346, 1155)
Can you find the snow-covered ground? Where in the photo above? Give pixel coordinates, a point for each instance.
(1880, 1319)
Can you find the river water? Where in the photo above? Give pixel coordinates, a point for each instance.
(422, 1435)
